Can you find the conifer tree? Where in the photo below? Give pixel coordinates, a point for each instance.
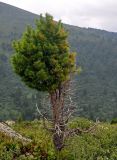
(44, 62)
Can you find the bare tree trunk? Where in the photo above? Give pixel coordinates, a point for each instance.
(60, 117)
(57, 103)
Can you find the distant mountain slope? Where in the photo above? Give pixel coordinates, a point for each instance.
(96, 87)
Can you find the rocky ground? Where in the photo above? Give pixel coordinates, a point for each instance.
(7, 130)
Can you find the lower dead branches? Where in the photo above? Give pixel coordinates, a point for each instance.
(78, 131)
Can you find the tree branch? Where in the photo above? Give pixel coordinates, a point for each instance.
(78, 131)
(44, 119)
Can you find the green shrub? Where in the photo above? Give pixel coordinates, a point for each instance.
(114, 121)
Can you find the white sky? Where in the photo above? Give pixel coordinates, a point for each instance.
(101, 14)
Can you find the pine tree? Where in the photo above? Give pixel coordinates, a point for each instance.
(44, 62)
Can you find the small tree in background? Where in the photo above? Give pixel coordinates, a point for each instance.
(44, 62)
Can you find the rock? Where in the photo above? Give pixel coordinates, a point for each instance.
(10, 122)
(7, 130)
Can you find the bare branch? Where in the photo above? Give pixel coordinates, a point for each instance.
(40, 113)
(44, 118)
(68, 116)
(78, 131)
(91, 128)
(57, 129)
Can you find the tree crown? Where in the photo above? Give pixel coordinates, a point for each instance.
(42, 56)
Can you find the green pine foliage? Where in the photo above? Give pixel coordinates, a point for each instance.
(42, 57)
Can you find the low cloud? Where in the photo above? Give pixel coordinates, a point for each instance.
(100, 14)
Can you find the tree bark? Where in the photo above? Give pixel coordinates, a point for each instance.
(57, 103)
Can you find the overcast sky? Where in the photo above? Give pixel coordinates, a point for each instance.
(101, 14)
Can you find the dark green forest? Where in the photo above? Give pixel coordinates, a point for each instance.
(94, 90)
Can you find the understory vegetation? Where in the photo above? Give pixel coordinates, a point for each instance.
(100, 144)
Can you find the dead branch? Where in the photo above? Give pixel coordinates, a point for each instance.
(57, 129)
(40, 112)
(44, 119)
(78, 131)
(68, 116)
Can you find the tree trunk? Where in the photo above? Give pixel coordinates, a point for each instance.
(57, 103)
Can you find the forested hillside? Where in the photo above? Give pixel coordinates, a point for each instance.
(95, 89)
